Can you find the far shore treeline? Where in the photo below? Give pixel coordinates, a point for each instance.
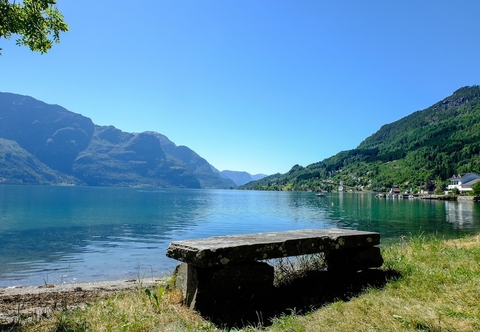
(422, 150)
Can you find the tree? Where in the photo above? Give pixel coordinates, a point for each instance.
(476, 189)
(38, 23)
(430, 185)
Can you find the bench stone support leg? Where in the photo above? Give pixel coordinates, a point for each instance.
(353, 259)
(212, 290)
(186, 282)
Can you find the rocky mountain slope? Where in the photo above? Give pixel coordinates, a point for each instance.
(47, 144)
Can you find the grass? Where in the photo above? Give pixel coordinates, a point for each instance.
(289, 268)
(439, 290)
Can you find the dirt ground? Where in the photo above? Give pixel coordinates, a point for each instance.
(21, 304)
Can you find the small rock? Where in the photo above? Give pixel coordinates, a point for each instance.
(47, 286)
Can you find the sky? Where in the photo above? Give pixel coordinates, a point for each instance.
(252, 85)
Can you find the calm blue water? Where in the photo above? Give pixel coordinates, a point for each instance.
(80, 234)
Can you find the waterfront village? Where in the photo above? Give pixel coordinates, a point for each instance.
(461, 185)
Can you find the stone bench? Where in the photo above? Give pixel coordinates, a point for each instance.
(219, 270)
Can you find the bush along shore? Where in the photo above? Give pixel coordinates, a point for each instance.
(432, 285)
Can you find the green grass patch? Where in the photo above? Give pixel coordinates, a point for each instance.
(438, 290)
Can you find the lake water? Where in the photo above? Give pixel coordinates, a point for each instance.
(81, 234)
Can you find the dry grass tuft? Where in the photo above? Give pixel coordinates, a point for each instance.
(128, 311)
(288, 269)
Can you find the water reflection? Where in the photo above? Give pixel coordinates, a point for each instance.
(462, 214)
(399, 217)
(72, 234)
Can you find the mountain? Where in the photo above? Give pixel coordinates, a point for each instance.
(240, 178)
(426, 146)
(18, 166)
(201, 168)
(47, 144)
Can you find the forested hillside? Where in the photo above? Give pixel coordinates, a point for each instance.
(427, 146)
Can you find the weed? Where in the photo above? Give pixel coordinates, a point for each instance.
(140, 277)
(156, 297)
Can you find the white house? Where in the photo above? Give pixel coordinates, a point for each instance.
(464, 181)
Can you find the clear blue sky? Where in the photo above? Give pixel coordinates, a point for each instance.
(255, 86)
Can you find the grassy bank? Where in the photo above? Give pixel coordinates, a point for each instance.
(438, 290)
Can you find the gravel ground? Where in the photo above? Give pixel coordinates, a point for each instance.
(20, 304)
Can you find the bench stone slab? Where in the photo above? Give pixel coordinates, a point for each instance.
(244, 248)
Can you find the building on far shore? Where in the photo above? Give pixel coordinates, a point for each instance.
(395, 191)
(463, 182)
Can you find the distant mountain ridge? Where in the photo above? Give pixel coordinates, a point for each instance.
(427, 146)
(240, 178)
(47, 144)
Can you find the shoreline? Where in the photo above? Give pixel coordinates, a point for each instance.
(87, 286)
(20, 304)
